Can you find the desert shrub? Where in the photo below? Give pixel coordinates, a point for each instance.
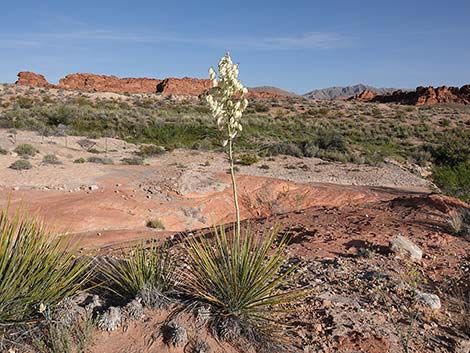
(36, 268)
(288, 149)
(453, 180)
(239, 277)
(132, 161)
(24, 102)
(150, 150)
(26, 150)
(459, 222)
(21, 164)
(80, 160)
(3, 151)
(247, 159)
(100, 160)
(147, 269)
(51, 159)
(155, 223)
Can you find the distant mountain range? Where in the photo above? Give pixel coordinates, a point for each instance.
(344, 92)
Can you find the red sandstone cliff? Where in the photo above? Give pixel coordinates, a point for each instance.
(184, 86)
(27, 78)
(101, 83)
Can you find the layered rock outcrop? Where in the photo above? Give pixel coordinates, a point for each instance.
(27, 78)
(102, 83)
(183, 86)
(421, 96)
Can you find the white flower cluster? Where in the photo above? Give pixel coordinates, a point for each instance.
(228, 102)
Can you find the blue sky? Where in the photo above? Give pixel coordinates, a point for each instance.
(295, 45)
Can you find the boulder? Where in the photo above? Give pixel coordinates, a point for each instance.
(403, 246)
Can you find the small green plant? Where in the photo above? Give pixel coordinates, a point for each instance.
(459, 222)
(37, 269)
(147, 268)
(3, 151)
(51, 159)
(150, 151)
(80, 160)
(26, 150)
(21, 164)
(132, 161)
(100, 160)
(247, 159)
(155, 223)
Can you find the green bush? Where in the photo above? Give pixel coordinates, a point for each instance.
(241, 279)
(21, 164)
(132, 161)
(26, 150)
(35, 268)
(247, 159)
(100, 160)
(155, 223)
(453, 180)
(51, 159)
(150, 150)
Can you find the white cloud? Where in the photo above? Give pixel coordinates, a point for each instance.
(314, 40)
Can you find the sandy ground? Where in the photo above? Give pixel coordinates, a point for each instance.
(183, 189)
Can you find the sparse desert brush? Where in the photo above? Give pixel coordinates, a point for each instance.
(21, 164)
(100, 160)
(132, 161)
(459, 222)
(51, 159)
(80, 160)
(26, 150)
(149, 271)
(3, 151)
(247, 159)
(37, 269)
(155, 223)
(150, 150)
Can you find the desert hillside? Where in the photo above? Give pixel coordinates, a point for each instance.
(370, 197)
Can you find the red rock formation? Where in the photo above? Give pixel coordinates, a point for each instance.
(27, 78)
(422, 96)
(101, 83)
(366, 95)
(184, 86)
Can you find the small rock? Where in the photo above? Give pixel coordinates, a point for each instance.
(16, 188)
(463, 346)
(430, 300)
(401, 245)
(93, 187)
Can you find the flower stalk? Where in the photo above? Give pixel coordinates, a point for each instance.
(227, 103)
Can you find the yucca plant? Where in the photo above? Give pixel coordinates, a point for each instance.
(147, 268)
(37, 269)
(242, 279)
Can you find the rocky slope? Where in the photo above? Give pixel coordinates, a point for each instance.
(344, 92)
(421, 96)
